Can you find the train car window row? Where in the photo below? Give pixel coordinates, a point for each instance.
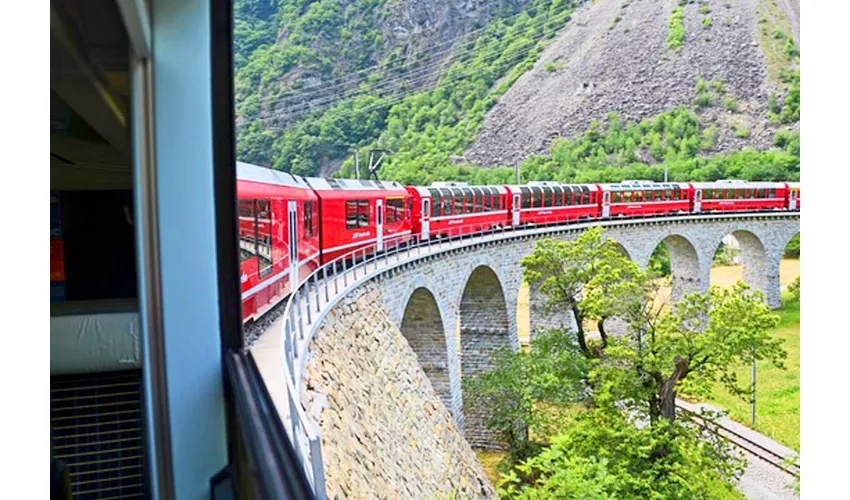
(356, 214)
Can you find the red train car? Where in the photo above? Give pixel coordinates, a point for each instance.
(357, 214)
(552, 202)
(448, 207)
(638, 198)
(734, 195)
(278, 235)
(793, 196)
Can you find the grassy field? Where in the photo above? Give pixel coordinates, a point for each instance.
(777, 391)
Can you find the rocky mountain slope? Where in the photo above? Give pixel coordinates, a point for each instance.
(616, 57)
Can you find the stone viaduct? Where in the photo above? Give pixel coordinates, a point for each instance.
(477, 289)
(446, 310)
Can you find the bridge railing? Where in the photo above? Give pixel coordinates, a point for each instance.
(308, 304)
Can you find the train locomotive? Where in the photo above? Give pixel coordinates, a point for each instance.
(289, 225)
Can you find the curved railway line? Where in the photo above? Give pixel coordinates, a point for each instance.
(763, 453)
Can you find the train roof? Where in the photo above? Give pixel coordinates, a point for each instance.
(550, 184)
(322, 184)
(256, 173)
(735, 184)
(641, 185)
(423, 190)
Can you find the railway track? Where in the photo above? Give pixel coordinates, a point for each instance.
(761, 452)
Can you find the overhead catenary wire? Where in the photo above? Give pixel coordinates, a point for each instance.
(491, 47)
(315, 106)
(347, 79)
(387, 103)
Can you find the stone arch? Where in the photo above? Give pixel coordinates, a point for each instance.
(484, 327)
(760, 270)
(685, 269)
(422, 327)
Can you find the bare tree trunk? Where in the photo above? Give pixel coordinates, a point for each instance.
(667, 391)
(582, 340)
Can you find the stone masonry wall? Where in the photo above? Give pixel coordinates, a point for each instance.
(385, 431)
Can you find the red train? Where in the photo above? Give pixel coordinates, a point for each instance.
(289, 226)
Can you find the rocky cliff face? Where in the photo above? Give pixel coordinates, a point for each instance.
(615, 57)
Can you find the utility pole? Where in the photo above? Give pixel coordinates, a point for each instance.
(665, 172)
(754, 385)
(516, 169)
(356, 164)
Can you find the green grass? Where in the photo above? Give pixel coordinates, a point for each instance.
(777, 390)
(490, 462)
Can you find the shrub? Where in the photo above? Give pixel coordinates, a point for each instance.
(676, 27)
(731, 104)
(706, 22)
(550, 67)
(741, 132)
(793, 292)
(703, 98)
(793, 248)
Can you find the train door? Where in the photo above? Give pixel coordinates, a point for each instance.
(426, 217)
(792, 200)
(292, 220)
(379, 208)
(516, 207)
(606, 204)
(698, 200)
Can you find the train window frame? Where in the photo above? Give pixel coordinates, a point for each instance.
(253, 236)
(487, 199)
(525, 197)
(436, 199)
(546, 196)
(457, 201)
(536, 196)
(264, 215)
(497, 199)
(476, 200)
(351, 214)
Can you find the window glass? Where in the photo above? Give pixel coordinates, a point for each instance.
(395, 210)
(536, 196)
(547, 196)
(526, 197)
(363, 213)
(585, 195)
(677, 192)
(708, 194)
(435, 202)
(263, 210)
(476, 200)
(308, 219)
(350, 214)
(447, 207)
(458, 201)
(773, 193)
(488, 200)
(247, 230)
(497, 199)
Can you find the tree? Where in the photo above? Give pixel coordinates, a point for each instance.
(702, 338)
(529, 389)
(589, 276)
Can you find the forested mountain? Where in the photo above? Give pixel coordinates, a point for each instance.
(572, 90)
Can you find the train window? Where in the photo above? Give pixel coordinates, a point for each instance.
(536, 197)
(525, 194)
(263, 210)
(363, 213)
(497, 199)
(547, 196)
(677, 193)
(476, 200)
(487, 200)
(247, 230)
(435, 202)
(707, 194)
(395, 210)
(308, 219)
(458, 201)
(585, 195)
(773, 193)
(446, 204)
(350, 214)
